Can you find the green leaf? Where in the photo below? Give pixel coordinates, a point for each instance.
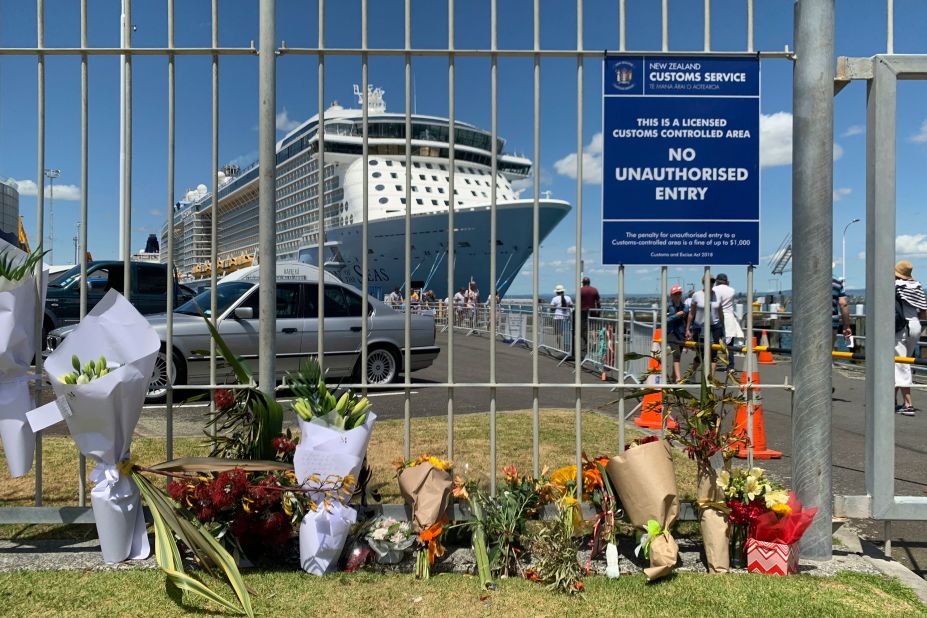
(241, 371)
(199, 541)
(189, 584)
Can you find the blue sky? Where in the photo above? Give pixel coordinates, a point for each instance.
(860, 32)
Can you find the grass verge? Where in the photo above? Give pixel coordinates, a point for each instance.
(139, 592)
(471, 449)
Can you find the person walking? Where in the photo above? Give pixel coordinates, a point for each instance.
(840, 312)
(732, 330)
(562, 306)
(589, 304)
(912, 305)
(696, 322)
(676, 329)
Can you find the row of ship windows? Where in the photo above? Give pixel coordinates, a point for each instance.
(419, 201)
(444, 178)
(430, 166)
(428, 190)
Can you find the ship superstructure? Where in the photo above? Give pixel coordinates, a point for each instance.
(298, 193)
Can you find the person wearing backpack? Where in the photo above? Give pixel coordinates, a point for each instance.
(910, 309)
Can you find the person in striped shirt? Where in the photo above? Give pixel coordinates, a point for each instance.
(910, 294)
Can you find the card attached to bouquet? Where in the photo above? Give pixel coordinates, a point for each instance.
(772, 558)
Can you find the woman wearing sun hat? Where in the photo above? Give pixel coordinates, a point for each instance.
(910, 295)
(562, 306)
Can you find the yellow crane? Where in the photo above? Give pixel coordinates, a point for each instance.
(23, 240)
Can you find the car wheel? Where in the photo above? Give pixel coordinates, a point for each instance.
(382, 366)
(157, 387)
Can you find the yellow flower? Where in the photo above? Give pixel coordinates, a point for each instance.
(723, 480)
(781, 509)
(563, 476)
(751, 488)
(776, 498)
(756, 472)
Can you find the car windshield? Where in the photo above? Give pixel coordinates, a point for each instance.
(64, 279)
(226, 294)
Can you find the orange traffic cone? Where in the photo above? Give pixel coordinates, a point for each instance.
(652, 407)
(765, 357)
(759, 426)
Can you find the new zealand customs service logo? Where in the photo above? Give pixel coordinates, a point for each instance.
(624, 75)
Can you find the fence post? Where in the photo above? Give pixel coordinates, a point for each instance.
(812, 231)
(267, 200)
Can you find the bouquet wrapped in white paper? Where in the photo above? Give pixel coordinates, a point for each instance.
(102, 412)
(19, 300)
(325, 450)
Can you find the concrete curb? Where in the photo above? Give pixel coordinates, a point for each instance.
(875, 557)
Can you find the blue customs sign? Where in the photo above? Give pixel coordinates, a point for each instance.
(681, 160)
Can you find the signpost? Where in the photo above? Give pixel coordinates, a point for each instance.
(681, 160)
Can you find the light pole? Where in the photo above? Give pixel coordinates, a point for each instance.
(843, 259)
(76, 240)
(51, 174)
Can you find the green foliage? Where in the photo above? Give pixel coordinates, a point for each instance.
(248, 427)
(170, 522)
(554, 551)
(315, 400)
(12, 269)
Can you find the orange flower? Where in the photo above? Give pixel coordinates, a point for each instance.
(510, 472)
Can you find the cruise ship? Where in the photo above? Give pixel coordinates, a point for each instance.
(298, 190)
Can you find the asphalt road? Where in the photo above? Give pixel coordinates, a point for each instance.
(514, 365)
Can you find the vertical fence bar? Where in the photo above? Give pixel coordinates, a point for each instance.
(664, 348)
(365, 207)
(890, 29)
(40, 222)
(812, 235)
(214, 220)
(750, 26)
(451, 166)
(881, 219)
(494, 103)
(622, 29)
(84, 114)
(169, 338)
(579, 244)
(707, 35)
(320, 237)
(407, 337)
(267, 207)
(619, 337)
(535, 247)
(664, 26)
(127, 170)
(707, 317)
(748, 366)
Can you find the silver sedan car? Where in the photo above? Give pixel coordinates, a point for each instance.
(297, 331)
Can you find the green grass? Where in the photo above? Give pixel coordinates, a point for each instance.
(471, 449)
(141, 593)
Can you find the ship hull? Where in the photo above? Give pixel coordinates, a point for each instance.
(429, 266)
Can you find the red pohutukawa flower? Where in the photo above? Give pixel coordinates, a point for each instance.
(224, 398)
(283, 445)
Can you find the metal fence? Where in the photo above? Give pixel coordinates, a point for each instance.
(813, 157)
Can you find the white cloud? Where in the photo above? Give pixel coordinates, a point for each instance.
(571, 250)
(592, 162)
(776, 140)
(284, 123)
(841, 192)
(855, 129)
(68, 193)
(248, 158)
(921, 136)
(911, 245)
